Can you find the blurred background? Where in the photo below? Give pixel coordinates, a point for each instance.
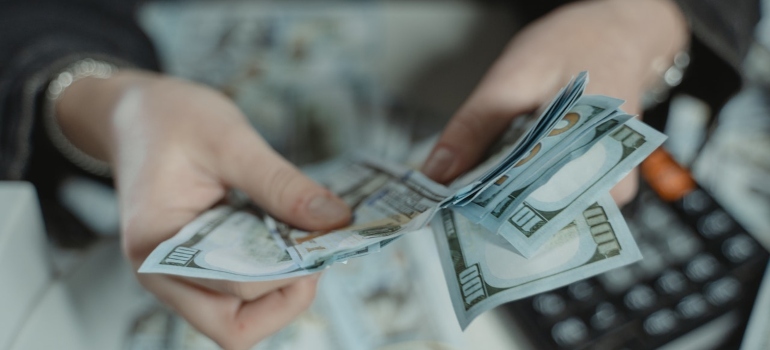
(320, 79)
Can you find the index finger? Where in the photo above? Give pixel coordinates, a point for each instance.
(470, 132)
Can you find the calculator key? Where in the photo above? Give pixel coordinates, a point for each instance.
(739, 248)
(635, 228)
(582, 290)
(692, 306)
(702, 267)
(549, 304)
(640, 297)
(617, 280)
(569, 332)
(656, 217)
(723, 290)
(715, 224)
(672, 282)
(682, 244)
(661, 322)
(696, 202)
(606, 316)
(653, 261)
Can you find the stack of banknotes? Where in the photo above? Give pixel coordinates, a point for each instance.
(536, 215)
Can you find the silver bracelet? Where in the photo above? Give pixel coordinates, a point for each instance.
(87, 67)
(669, 79)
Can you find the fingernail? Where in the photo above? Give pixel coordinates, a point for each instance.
(328, 209)
(438, 163)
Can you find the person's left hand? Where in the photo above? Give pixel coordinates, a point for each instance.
(619, 42)
(175, 149)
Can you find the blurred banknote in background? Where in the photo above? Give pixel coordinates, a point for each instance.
(301, 73)
(737, 150)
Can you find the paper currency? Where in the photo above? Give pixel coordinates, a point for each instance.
(241, 244)
(546, 152)
(387, 200)
(539, 205)
(524, 146)
(224, 243)
(531, 214)
(482, 271)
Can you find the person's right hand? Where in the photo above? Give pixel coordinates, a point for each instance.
(621, 43)
(175, 149)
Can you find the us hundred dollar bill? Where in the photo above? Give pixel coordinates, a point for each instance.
(242, 244)
(549, 118)
(225, 243)
(570, 134)
(528, 193)
(482, 271)
(530, 215)
(387, 201)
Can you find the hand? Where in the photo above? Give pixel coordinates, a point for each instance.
(621, 43)
(175, 149)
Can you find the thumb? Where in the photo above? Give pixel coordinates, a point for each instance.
(247, 163)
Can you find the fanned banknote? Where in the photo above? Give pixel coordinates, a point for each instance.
(577, 124)
(531, 213)
(524, 146)
(224, 243)
(482, 271)
(388, 200)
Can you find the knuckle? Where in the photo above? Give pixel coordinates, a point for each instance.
(232, 342)
(244, 291)
(302, 294)
(236, 335)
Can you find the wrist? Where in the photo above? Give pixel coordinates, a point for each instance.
(660, 32)
(84, 111)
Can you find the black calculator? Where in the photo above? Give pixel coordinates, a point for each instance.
(699, 265)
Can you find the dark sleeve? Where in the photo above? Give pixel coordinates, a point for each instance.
(39, 38)
(724, 26)
(722, 32)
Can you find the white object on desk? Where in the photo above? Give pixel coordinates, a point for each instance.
(24, 269)
(89, 304)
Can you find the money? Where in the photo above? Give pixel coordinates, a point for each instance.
(534, 216)
(524, 146)
(549, 150)
(242, 244)
(224, 243)
(482, 271)
(531, 214)
(387, 200)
